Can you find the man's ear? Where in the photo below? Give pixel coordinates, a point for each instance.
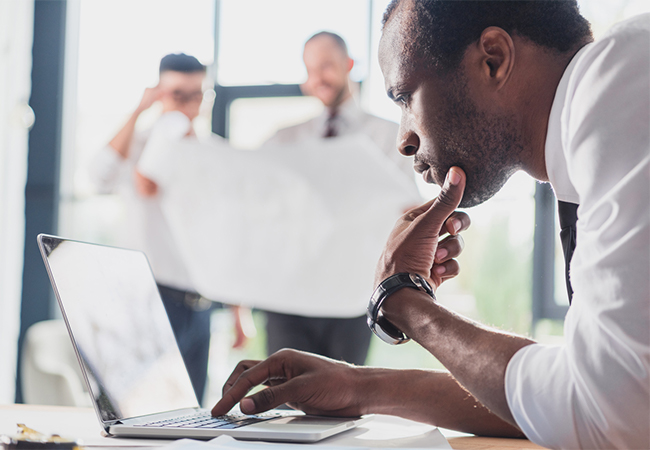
(350, 64)
(498, 55)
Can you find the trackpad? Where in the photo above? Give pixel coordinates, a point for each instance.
(300, 422)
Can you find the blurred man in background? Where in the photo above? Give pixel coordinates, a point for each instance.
(114, 169)
(328, 79)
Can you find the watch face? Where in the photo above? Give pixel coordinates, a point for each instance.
(388, 332)
(381, 334)
(379, 325)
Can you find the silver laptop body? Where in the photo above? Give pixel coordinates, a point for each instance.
(131, 363)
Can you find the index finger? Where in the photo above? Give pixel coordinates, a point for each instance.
(458, 221)
(248, 378)
(241, 367)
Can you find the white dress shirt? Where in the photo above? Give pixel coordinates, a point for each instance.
(350, 119)
(144, 227)
(594, 391)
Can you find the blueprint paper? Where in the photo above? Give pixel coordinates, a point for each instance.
(293, 229)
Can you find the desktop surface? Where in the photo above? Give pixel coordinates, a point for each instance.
(81, 424)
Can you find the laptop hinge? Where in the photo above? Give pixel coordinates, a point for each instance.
(109, 423)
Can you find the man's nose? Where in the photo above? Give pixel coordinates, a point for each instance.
(314, 78)
(408, 141)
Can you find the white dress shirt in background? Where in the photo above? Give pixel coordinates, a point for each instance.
(594, 392)
(350, 119)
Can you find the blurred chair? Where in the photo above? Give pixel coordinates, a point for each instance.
(50, 371)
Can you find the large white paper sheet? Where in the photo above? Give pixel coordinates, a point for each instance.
(294, 229)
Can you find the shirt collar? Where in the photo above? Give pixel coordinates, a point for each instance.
(556, 165)
(347, 114)
(349, 110)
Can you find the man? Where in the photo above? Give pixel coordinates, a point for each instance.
(488, 88)
(328, 79)
(114, 169)
(328, 66)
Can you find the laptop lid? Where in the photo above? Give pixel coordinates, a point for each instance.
(119, 329)
(128, 353)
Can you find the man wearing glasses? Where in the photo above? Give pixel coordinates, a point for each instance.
(114, 170)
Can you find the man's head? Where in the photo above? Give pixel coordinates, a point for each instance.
(473, 79)
(328, 67)
(181, 83)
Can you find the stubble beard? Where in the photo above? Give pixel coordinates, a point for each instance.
(487, 147)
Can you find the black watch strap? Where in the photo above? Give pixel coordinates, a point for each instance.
(385, 330)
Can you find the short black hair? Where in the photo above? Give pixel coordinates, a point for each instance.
(180, 62)
(338, 40)
(443, 29)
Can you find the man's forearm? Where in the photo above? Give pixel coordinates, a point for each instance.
(476, 356)
(122, 140)
(433, 397)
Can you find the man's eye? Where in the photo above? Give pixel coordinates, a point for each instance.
(403, 99)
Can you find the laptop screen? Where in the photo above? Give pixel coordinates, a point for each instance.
(120, 329)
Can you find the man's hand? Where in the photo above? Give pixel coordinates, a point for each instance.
(149, 97)
(243, 325)
(121, 143)
(311, 383)
(144, 186)
(414, 244)
(322, 386)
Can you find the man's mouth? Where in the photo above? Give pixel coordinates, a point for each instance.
(426, 171)
(325, 88)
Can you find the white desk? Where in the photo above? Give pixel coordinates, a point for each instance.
(82, 424)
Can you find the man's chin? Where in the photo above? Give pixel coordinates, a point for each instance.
(328, 98)
(474, 197)
(471, 201)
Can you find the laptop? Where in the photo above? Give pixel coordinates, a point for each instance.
(131, 363)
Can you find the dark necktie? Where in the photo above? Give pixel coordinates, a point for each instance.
(568, 213)
(330, 125)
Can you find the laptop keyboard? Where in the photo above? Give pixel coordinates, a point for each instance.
(205, 420)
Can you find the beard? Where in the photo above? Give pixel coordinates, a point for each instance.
(487, 147)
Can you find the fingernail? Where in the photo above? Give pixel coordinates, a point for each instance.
(441, 253)
(455, 224)
(246, 405)
(439, 270)
(454, 177)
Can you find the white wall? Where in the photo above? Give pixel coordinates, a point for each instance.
(16, 25)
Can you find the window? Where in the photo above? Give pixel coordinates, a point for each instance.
(118, 47)
(260, 41)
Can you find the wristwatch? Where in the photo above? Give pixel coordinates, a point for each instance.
(379, 325)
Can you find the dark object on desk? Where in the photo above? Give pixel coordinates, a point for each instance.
(27, 438)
